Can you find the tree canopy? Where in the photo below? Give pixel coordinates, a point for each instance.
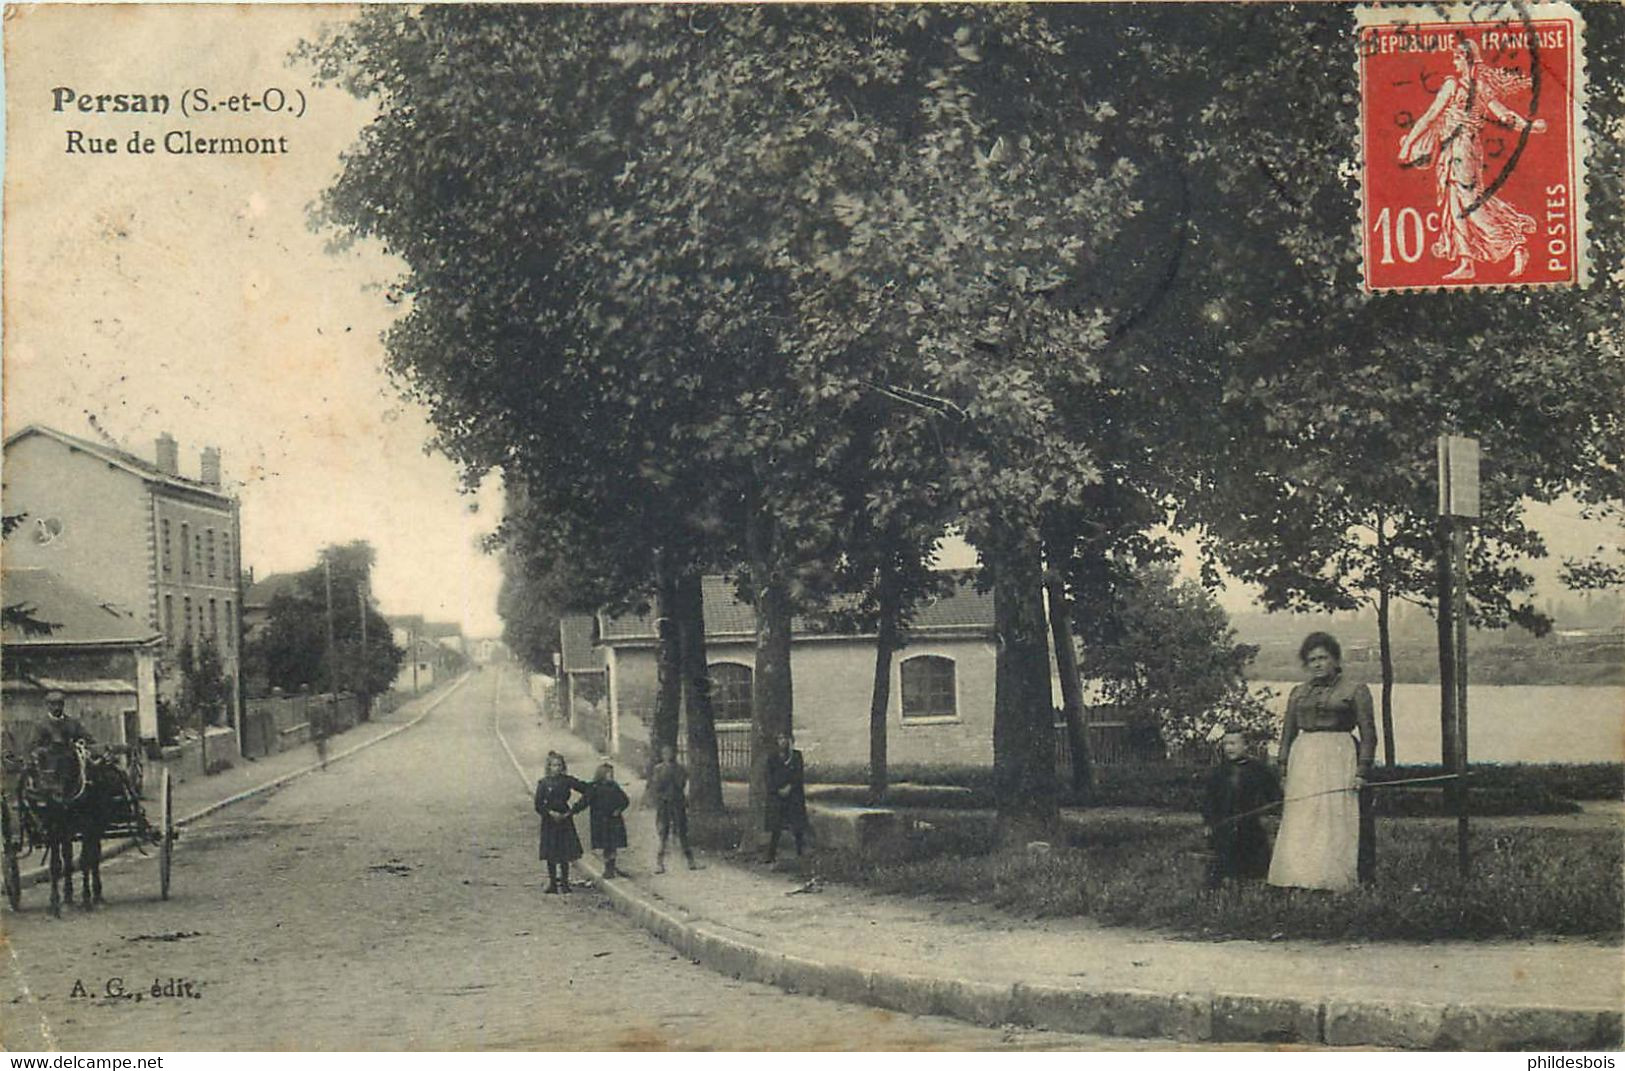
(776, 290)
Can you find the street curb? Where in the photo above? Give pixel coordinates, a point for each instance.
(42, 874)
(1185, 1017)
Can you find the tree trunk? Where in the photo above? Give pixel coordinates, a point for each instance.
(770, 696)
(1023, 720)
(668, 665)
(1445, 617)
(1385, 650)
(704, 769)
(886, 643)
(1066, 663)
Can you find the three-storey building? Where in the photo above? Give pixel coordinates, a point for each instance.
(135, 533)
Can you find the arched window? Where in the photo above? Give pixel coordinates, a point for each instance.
(730, 691)
(928, 688)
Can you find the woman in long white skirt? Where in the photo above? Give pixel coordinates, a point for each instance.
(1317, 846)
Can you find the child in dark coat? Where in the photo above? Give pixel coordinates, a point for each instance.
(668, 787)
(604, 802)
(560, 846)
(1238, 792)
(786, 796)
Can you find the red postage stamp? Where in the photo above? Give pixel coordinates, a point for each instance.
(1472, 141)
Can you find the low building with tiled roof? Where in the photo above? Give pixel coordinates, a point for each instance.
(97, 653)
(941, 703)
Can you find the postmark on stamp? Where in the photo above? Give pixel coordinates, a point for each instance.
(1472, 142)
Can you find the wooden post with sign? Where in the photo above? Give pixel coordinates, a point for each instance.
(1458, 504)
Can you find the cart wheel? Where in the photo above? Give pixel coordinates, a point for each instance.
(12, 877)
(166, 832)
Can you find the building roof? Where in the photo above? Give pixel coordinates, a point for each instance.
(268, 587)
(440, 629)
(965, 610)
(424, 650)
(99, 686)
(120, 458)
(576, 642)
(79, 619)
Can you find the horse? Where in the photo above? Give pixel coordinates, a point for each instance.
(71, 801)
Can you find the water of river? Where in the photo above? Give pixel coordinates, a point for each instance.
(1508, 722)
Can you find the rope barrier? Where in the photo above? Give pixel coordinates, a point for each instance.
(1334, 792)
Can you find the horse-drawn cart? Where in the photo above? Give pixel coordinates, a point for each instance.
(98, 800)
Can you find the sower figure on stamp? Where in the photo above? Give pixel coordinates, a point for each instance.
(1474, 223)
(605, 802)
(560, 846)
(668, 785)
(786, 797)
(1238, 792)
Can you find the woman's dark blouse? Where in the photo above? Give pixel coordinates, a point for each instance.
(1335, 705)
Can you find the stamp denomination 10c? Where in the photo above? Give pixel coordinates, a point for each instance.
(1472, 142)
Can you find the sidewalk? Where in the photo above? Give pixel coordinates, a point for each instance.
(196, 795)
(925, 957)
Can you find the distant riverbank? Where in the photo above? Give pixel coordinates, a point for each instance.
(1492, 666)
(1507, 723)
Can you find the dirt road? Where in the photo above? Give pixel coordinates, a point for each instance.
(395, 901)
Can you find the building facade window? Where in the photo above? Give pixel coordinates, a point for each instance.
(168, 552)
(169, 620)
(186, 614)
(197, 557)
(214, 621)
(231, 626)
(928, 688)
(208, 542)
(730, 691)
(186, 549)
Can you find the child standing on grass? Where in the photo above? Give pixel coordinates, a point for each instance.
(560, 845)
(604, 802)
(667, 787)
(1238, 792)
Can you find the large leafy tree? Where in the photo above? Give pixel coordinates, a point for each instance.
(294, 647)
(1173, 669)
(1248, 387)
(730, 230)
(1313, 473)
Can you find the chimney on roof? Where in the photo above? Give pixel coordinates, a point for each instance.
(209, 466)
(168, 455)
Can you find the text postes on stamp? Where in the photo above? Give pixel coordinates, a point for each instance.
(1472, 143)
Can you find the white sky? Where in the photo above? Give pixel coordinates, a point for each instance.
(187, 294)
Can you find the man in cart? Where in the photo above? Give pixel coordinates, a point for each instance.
(54, 740)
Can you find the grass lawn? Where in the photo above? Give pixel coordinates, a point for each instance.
(1525, 882)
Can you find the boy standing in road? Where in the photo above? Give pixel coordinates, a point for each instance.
(667, 787)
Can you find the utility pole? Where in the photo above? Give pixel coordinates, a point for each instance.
(332, 645)
(1458, 505)
(361, 675)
